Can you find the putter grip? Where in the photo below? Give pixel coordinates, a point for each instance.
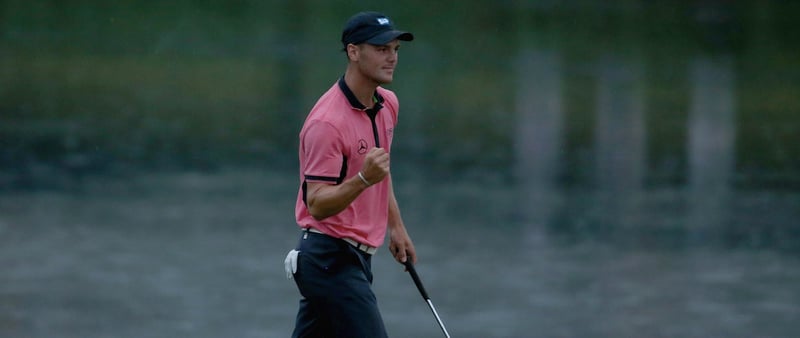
(417, 281)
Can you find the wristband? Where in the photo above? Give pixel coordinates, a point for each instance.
(361, 176)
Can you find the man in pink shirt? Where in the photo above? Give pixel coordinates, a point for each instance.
(346, 203)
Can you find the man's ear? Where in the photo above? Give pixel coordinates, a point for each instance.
(352, 52)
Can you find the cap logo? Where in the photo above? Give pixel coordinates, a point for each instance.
(383, 21)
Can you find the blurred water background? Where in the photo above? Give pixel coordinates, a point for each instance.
(565, 168)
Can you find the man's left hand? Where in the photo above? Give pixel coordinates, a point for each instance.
(401, 246)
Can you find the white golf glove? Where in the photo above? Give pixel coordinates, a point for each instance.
(290, 264)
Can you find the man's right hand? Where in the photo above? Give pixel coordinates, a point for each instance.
(324, 199)
(376, 165)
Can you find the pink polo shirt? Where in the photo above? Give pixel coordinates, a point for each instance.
(334, 140)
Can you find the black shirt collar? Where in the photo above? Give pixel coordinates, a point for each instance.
(354, 101)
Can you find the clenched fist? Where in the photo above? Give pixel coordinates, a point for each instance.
(376, 165)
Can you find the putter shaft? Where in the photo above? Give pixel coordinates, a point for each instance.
(421, 288)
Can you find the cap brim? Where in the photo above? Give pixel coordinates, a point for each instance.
(388, 36)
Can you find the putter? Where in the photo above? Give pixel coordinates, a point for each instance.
(421, 288)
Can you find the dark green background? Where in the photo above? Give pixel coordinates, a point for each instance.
(92, 87)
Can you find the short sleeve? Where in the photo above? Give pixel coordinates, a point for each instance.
(323, 151)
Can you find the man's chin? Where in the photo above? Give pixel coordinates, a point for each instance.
(382, 80)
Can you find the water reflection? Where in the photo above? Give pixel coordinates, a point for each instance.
(711, 145)
(539, 135)
(616, 201)
(619, 131)
(539, 141)
(619, 142)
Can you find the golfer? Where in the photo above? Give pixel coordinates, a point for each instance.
(346, 203)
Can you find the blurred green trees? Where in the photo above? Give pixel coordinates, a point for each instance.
(92, 86)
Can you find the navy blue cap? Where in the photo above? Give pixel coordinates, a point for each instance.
(373, 28)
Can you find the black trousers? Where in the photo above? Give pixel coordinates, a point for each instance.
(335, 281)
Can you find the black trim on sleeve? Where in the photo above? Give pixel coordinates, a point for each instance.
(322, 178)
(335, 180)
(342, 173)
(305, 193)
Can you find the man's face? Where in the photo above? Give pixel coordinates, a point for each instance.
(377, 62)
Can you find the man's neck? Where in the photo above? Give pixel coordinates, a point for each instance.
(362, 88)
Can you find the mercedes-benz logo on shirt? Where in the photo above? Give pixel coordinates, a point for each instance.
(362, 146)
